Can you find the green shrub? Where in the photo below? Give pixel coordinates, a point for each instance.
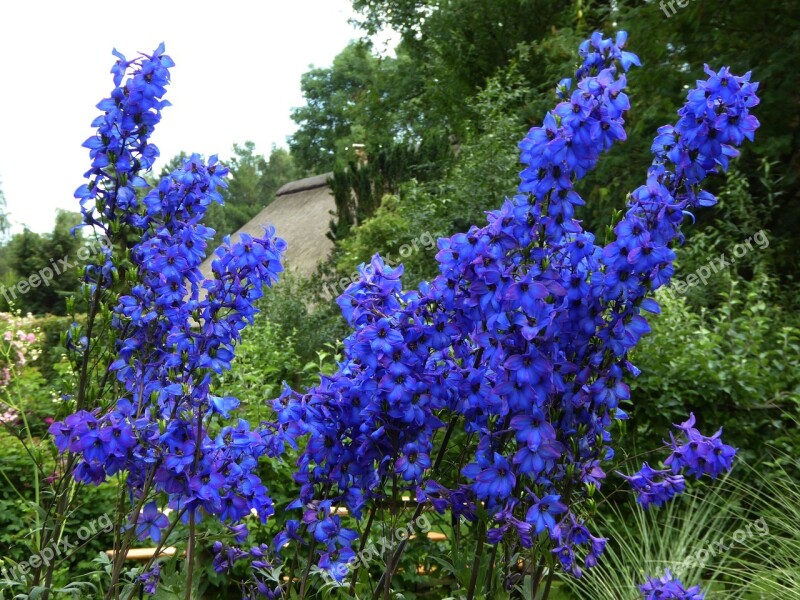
(736, 366)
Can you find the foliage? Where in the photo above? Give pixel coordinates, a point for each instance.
(735, 366)
(769, 566)
(45, 265)
(457, 45)
(28, 407)
(53, 363)
(294, 308)
(337, 114)
(646, 542)
(275, 350)
(359, 187)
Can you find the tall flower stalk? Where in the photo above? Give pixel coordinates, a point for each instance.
(523, 338)
(157, 424)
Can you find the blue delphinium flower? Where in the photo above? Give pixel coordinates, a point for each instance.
(495, 480)
(542, 513)
(150, 579)
(668, 587)
(173, 327)
(654, 486)
(699, 455)
(150, 523)
(412, 463)
(525, 333)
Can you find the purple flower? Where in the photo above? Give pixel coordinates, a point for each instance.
(496, 481)
(668, 587)
(150, 523)
(412, 463)
(654, 486)
(542, 513)
(700, 455)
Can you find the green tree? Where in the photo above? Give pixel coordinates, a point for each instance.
(280, 169)
(455, 46)
(336, 100)
(244, 184)
(42, 269)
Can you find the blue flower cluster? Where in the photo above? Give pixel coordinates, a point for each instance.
(149, 579)
(120, 150)
(523, 338)
(699, 455)
(655, 486)
(168, 432)
(696, 454)
(524, 334)
(667, 587)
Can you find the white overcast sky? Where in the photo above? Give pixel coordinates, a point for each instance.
(237, 75)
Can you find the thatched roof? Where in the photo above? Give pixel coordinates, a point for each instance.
(301, 215)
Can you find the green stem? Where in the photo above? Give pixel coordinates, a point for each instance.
(122, 552)
(551, 571)
(476, 564)
(418, 511)
(84, 370)
(308, 568)
(490, 575)
(536, 574)
(190, 555)
(361, 546)
(390, 566)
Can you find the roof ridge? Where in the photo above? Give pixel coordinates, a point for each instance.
(302, 185)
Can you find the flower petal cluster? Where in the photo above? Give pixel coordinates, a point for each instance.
(699, 455)
(525, 333)
(150, 579)
(120, 149)
(668, 587)
(655, 486)
(692, 453)
(175, 440)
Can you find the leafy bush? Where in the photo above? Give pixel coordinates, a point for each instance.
(735, 366)
(28, 465)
